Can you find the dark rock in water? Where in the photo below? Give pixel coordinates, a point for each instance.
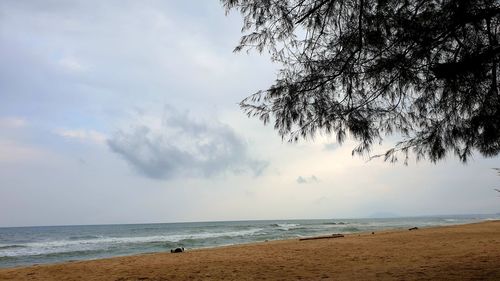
(177, 250)
(413, 228)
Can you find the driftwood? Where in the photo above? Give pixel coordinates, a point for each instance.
(413, 228)
(322, 237)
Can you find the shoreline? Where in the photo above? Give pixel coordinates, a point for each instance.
(270, 241)
(465, 252)
(100, 237)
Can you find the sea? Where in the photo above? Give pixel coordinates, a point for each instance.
(22, 246)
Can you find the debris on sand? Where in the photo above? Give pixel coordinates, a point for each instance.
(177, 250)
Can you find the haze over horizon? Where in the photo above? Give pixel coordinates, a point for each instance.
(120, 112)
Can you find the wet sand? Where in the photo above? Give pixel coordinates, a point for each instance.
(464, 252)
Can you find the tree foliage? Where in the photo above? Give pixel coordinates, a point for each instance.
(424, 70)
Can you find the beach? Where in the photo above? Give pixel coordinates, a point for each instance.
(459, 252)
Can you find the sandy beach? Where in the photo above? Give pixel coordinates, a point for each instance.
(463, 252)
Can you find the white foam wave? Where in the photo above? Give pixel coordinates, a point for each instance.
(287, 226)
(64, 246)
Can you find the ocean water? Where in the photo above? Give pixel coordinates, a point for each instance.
(21, 246)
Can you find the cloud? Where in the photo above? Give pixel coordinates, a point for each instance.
(303, 180)
(83, 135)
(181, 146)
(331, 146)
(71, 64)
(12, 122)
(14, 152)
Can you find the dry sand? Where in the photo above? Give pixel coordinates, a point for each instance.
(465, 252)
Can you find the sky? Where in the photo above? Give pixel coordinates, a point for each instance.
(127, 112)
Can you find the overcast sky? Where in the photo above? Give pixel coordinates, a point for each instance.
(126, 112)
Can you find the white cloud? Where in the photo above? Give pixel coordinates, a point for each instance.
(72, 64)
(331, 146)
(12, 122)
(83, 135)
(311, 179)
(13, 152)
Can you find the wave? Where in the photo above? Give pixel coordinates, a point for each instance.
(335, 223)
(285, 226)
(14, 246)
(350, 229)
(93, 244)
(57, 255)
(84, 237)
